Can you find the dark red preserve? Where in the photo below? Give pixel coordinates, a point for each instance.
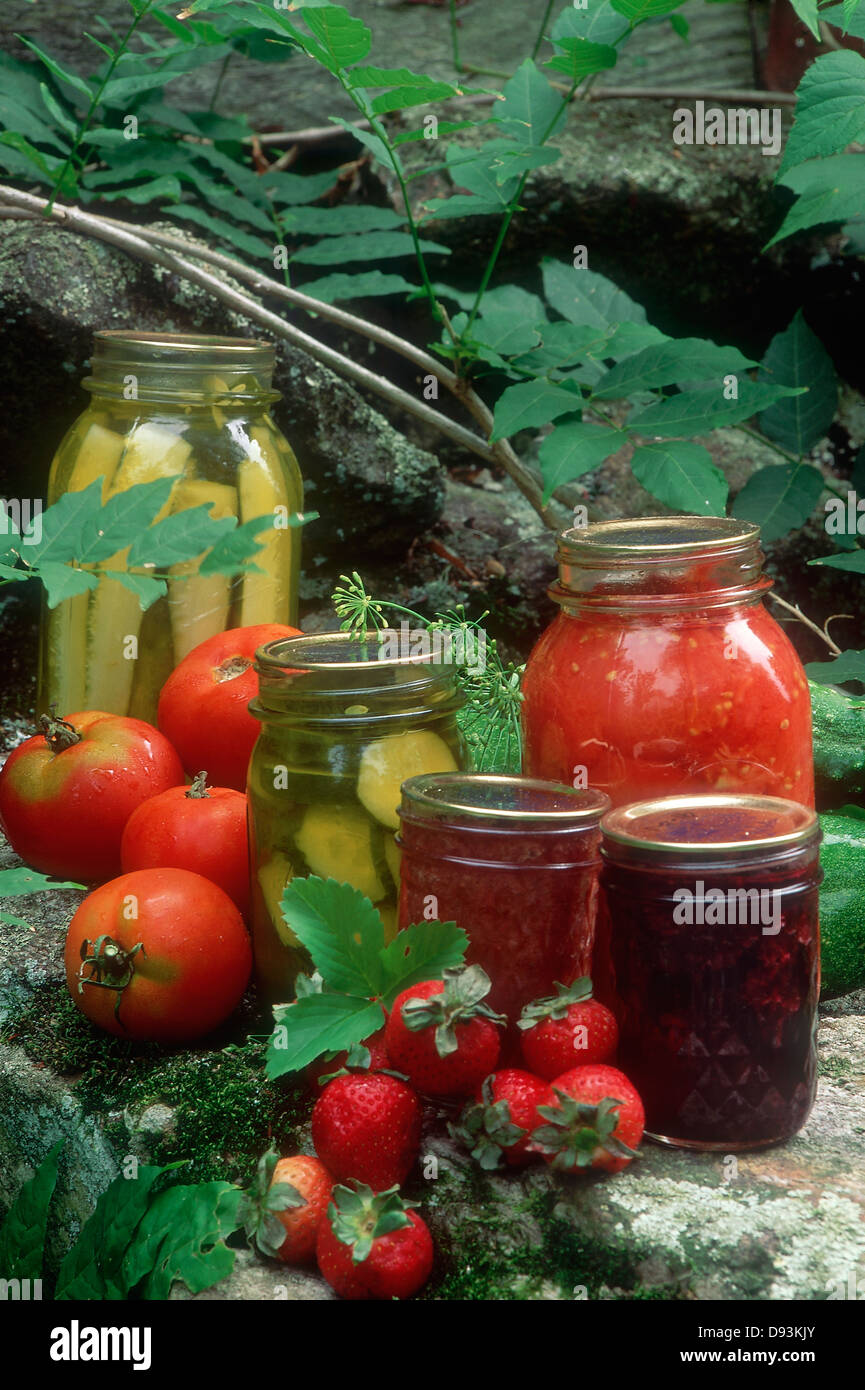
(709, 953)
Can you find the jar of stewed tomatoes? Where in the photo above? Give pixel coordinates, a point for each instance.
(343, 723)
(664, 673)
(514, 862)
(709, 933)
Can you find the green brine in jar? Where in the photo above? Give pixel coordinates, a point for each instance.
(341, 730)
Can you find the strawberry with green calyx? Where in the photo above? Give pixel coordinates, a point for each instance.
(500, 1124)
(367, 1125)
(596, 1121)
(442, 1034)
(569, 1029)
(284, 1205)
(373, 1245)
(370, 1055)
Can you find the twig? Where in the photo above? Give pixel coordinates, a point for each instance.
(797, 613)
(17, 203)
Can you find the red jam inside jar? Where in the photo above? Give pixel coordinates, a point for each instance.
(664, 674)
(708, 952)
(514, 862)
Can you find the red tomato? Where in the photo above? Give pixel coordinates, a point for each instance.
(67, 793)
(202, 707)
(198, 828)
(161, 955)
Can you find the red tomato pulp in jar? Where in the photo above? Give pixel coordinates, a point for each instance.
(514, 862)
(664, 674)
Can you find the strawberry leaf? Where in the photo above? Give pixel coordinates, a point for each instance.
(315, 1024)
(422, 951)
(342, 931)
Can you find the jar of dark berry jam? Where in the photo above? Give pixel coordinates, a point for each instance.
(709, 932)
(664, 674)
(514, 862)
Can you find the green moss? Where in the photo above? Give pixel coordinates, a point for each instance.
(839, 1069)
(225, 1112)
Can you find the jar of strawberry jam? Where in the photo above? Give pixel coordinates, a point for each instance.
(664, 674)
(709, 933)
(514, 862)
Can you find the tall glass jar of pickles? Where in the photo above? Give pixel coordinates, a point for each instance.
(341, 730)
(196, 409)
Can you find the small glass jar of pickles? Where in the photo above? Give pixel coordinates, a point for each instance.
(341, 730)
(196, 409)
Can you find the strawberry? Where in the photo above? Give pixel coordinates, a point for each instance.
(442, 1035)
(571, 1029)
(285, 1205)
(596, 1121)
(371, 1245)
(366, 1125)
(500, 1123)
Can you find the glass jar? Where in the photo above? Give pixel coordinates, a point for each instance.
(709, 925)
(514, 862)
(198, 409)
(341, 730)
(664, 674)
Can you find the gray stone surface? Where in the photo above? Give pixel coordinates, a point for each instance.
(493, 33)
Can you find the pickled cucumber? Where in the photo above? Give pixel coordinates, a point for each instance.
(114, 617)
(272, 877)
(386, 764)
(393, 855)
(267, 597)
(66, 640)
(199, 605)
(336, 842)
(154, 665)
(387, 913)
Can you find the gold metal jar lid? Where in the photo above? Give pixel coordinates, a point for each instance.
(687, 829)
(531, 801)
(666, 538)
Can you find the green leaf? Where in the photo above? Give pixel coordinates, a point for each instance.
(598, 21)
(830, 190)
(563, 344)
(70, 79)
(809, 15)
(779, 498)
(317, 1024)
(63, 523)
(796, 357)
(443, 128)
(340, 221)
(93, 1268)
(402, 98)
(531, 404)
(532, 110)
(580, 57)
(237, 546)
(287, 190)
(682, 476)
(510, 320)
(164, 188)
(120, 522)
(853, 560)
(585, 297)
(422, 951)
(366, 283)
(572, 450)
(342, 931)
(22, 1234)
(698, 412)
(512, 161)
(638, 10)
(181, 1237)
(830, 108)
(374, 143)
(245, 242)
(850, 19)
(667, 363)
(181, 536)
(62, 581)
(34, 159)
(344, 39)
(849, 666)
(680, 26)
(369, 246)
(18, 883)
(145, 589)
